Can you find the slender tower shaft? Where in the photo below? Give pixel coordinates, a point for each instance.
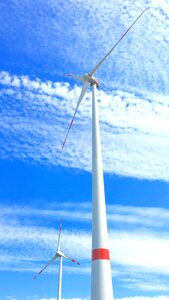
(60, 279)
(101, 280)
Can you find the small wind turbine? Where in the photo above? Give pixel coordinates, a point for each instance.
(101, 280)
(59, 254)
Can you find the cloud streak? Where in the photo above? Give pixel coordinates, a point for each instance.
(160, 297)
(36, 115)
(140, 60)
(36, 108)
(146, 217)
(26, 245)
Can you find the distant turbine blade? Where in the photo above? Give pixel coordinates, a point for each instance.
(76, 77)
(72, 260)
(84, 89)
(104, 58)
(60, 231)
(50, 262)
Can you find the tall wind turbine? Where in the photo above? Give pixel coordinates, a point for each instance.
(101, 279)
(59, 254)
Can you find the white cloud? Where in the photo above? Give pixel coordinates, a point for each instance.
(161, 297)
(140, 251)
(39, 298)
(156, 287)
(134, 132)
(140, 60)
(145, 298)
(147, 217)
(26, 246)
(64, 299)
(134, 112)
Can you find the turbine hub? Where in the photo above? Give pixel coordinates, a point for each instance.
(91, 79)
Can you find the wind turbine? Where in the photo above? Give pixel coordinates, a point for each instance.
(59, 254)
(101, 279)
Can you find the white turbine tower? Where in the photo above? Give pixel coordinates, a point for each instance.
(101, 279)
(59, 254)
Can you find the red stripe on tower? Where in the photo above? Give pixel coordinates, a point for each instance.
(100, 253)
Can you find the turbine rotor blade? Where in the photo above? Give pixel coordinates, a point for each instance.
(104, 58)
(72, 260)
(50, 262)
(84, 89)
(76, 77)
(60, 231)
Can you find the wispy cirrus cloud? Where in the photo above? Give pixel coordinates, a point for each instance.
(40, 298)
(160, 297)
(55, 38)
(146, 217)
(63, 40)
(26, 245)
(35, 116)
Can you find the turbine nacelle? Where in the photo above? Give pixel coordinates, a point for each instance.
(91, 79)
(59, 253)
(85, 78)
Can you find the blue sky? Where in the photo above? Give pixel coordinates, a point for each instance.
(40, 184)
